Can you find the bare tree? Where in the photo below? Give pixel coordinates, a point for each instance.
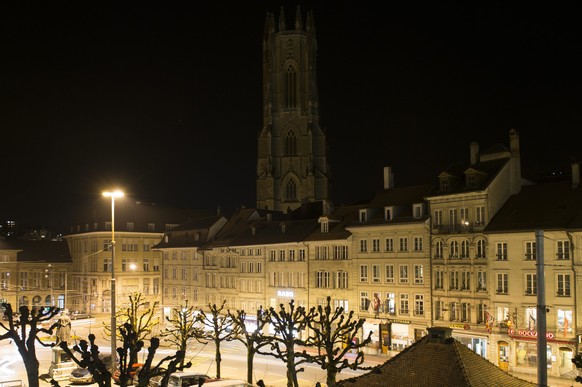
(147, 371)
(24, 333)
(139, 315)
(220, 328)
(253, 339)
(288, 324)
(91, 359)
(334, 334)
(183, 328)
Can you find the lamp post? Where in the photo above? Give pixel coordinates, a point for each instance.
(113, 195)
(49, 277)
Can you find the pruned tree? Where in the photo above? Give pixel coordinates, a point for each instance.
(24, 333)
(129, 351)
(148, 371)
(253, 339)
(141, 317)
(288, 324)
(220, 328)
(183, 329)
(333, 334)
(91, 359)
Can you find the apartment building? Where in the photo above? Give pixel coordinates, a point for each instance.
(555, 210)
(461, 204)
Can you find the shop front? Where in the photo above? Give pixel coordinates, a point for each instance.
(475, 340)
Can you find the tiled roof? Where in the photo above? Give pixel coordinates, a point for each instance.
(436, 361)
(271, 232)
(33, 251)
(554, 205)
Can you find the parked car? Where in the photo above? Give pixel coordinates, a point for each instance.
(134, 369)
(78, 315)
(83, 376)
(180, 379)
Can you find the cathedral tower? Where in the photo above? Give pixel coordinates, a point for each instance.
(292, 164)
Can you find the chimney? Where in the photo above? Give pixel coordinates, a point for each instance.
(388, 178)
(474, 147)
(575, 175)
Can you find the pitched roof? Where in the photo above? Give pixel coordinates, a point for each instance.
(549, 206)
(436, 360)
(38, 251)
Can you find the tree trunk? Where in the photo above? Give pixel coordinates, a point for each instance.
(331, 376)
(32, 365)
(291, 372)
(218, 359)
(250, 357)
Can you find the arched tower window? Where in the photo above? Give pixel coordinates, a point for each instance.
(290, 143)
(290, 91)
(291, 190)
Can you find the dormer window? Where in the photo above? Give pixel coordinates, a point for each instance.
(418, 210)
(363, 216)
(325, 226)
(471, 181)
(388, 213)
(444, 184)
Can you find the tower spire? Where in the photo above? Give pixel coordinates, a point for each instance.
(298, 19)
(282, 22)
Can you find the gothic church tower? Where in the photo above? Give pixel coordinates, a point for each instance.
(292, 165)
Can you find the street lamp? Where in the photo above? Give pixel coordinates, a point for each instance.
(113, 195)
(49, 277)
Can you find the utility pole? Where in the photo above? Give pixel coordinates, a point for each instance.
(541, 312)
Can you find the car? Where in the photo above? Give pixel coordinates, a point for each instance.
(76, 315)
(180, 379)
(83, 376)
(133, 370)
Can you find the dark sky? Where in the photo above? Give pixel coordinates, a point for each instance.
(164, 100)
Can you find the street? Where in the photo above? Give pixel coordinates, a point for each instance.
(234, 362)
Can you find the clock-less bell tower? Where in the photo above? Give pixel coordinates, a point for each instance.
(292, 165)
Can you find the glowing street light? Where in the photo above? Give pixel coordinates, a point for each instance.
(113, 195)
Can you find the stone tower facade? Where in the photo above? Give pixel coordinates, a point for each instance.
(292, 163)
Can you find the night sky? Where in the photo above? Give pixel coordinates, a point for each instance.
(164, 100)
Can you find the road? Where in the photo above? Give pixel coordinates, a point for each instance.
(234, 362)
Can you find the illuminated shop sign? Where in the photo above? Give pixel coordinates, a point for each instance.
(526, 333)
(460, 326)
(285, 293)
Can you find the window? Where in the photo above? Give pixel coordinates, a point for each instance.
(438, 310)
(390, 303)
(107, 264)
(531, 284)
(444, 183)
(530, 318)
(438, 250)
(146, 286)
(363, 273)
(464, 212)
(502, 251)
(388, 213)
(417, 243)
(342, 280)
(403, 244)
(375, 245)
(291, 190)
(502, 314)
(363, 216)
(291, 255)
(322, 279)
(453, 311)
(389, 274)
(465, 312)
(564, 321)
(290, 95)
(466, 280)
(530, 251)
(341, 304)
(325, 227)
(479, 216)
(453, 219)
(389, 244)
(438, 218)
(290, 143)
(146, 264)
(464, 249)
(480, 313)
(403, 303)
(403, 274)
(302, 254)
(281, 255)
(376, 273)
(481, 281)
(124, 264)
(419, 305)
(272, 255)
(563, 285)
(454, 250)
(502, 284)
(563, 250)
(480, 249)
(454, 283)
(363, 246)
(156, 286)
(418, 274)
(439, 279)
(364, 301)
